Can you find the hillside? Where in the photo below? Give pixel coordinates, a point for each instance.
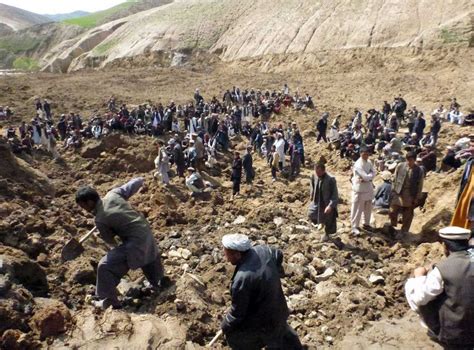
(250, 29)
(124, 9)
(63, 16)
(17, 19)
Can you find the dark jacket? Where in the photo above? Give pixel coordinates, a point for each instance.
(258, 302)
(236, 169)
(322, 125)
(382, 195)
(247, 163)
(328, 195)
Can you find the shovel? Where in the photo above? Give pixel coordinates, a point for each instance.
(215, 339)
(74, 248)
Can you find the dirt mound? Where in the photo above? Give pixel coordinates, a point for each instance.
(116, 328)
(17, 176)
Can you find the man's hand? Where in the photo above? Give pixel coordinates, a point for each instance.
(420, 271)
(328, 210)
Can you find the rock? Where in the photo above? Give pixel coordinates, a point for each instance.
(23, 270)
(5, 285)
(81, 271)
(299, 259)
(185, 253)
(180, 305)
(51, 317)
(301, 228)
(325, 275)
(272, 240)
(239, 220)
(114, 328)
(278, 221)
(376, 279)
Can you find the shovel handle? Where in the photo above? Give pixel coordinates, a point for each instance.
(215, 339)
(86, 236)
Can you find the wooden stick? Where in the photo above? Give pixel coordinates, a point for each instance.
(218, 335)
(87, 235)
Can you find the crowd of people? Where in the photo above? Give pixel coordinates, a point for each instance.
(198, 131)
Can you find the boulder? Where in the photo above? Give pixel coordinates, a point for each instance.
(22, 270)
(51, 317)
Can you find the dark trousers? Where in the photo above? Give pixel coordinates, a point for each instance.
(407, 216)
(236, 186)
(114, 266)
(322, 135)
(279, 338)
(274, 172)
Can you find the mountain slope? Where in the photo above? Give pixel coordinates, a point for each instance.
(63, 16)
(124, 9)
(17, 19)
(248, 29)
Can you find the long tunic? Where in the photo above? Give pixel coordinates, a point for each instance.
(114, 216)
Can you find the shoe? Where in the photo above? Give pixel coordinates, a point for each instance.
(324, 238)
(104, 304)
(356, 231)
(165, 282)
(367, 227)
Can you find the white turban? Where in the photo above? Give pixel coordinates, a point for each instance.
(237, 242)
(455, 233)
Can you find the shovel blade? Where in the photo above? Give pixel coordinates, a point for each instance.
(72, 250)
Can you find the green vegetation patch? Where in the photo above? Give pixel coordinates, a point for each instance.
(26, 63)
(17, 44)
(450, 37)
(102, 48)
(96, 18)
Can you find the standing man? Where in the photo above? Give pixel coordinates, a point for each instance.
(178, 156)
(114, 216)
(236, 176)
(280, 148)
(259, 313)
(406, 191)
(322, 127)
(162, 164)
(247, 163)
(420, 124)
(443, 295)
(324, 200)
(363, 174)
(435, 129)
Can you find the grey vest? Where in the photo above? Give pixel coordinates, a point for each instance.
(451, 315)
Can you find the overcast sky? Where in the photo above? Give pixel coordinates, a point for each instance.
(61, 6)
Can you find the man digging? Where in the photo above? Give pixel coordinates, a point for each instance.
(114, 216)
(259, 313)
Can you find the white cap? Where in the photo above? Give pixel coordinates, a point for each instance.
(237, 242)
(455, 233)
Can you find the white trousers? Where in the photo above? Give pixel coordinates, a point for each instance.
(361, 205)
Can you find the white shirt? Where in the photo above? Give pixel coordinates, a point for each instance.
(421, 290)
(363, 174)
(280, 147)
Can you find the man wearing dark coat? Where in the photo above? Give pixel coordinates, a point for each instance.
(236, 176)
(259, 313)
(324, 200)
(114, 216)
(247, 163)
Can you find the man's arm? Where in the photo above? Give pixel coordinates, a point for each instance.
(130, 188)
(334, 194)
(240, 302)
(106, 233)
(422, 289)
